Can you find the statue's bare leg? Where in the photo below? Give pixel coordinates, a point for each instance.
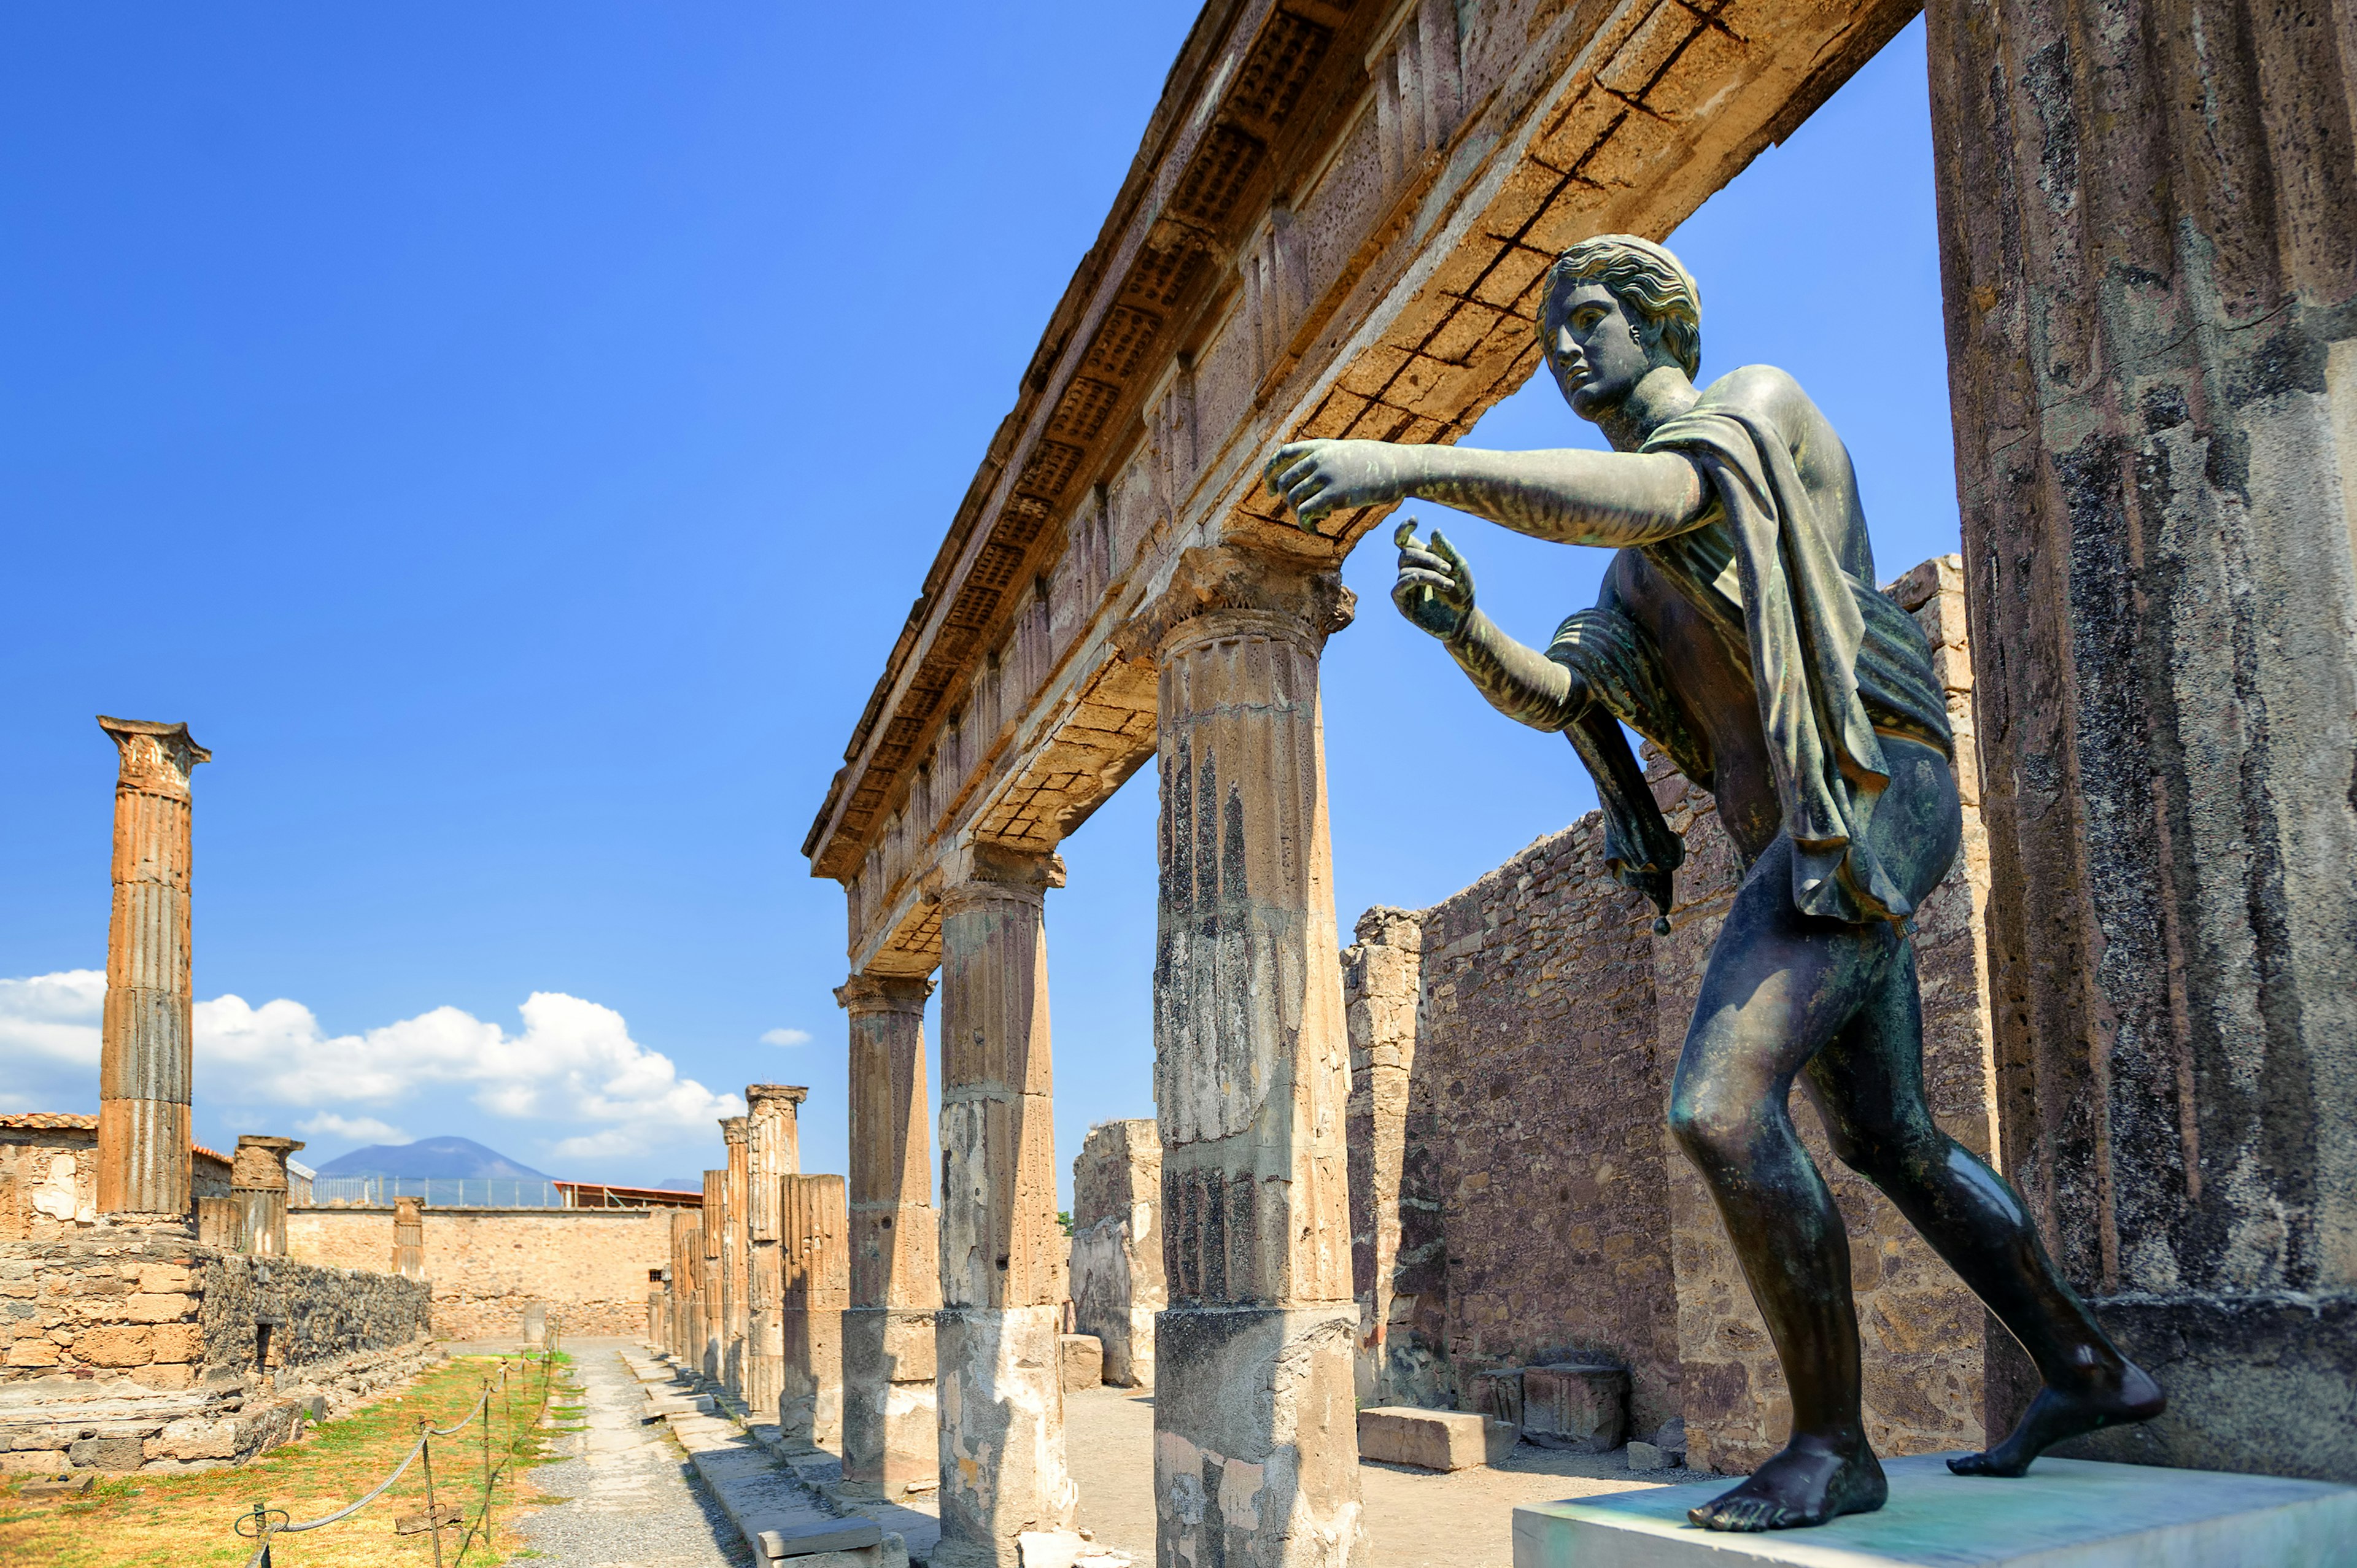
(1778, 986)
(1868, 1089)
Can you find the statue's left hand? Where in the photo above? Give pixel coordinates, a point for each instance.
(1319, 477)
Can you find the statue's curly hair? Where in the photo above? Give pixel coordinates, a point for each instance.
(1645, 277)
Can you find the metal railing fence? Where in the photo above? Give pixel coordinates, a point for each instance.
(439, 1192)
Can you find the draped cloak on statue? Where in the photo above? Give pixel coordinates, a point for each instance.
(1833, 659)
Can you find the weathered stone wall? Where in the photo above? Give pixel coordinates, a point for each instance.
(1518, 1040)
(133, 1348)
(590, 1266)
(1116, 1269)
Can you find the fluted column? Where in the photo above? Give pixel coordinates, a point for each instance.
(734, 1326)
(257, 1177)
(1002, 1402)
(684, 1242)
(711, 1354)
(772, 1151)
(814, 1251)
(408, 1238)
(888, 1442)
(1253, 1374)
(143, 1065)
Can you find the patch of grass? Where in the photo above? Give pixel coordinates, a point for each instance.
(184, 1521)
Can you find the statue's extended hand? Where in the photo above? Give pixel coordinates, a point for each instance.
(1318, 476)
(1436, 587)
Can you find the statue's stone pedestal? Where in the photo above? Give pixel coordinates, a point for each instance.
(2066, 1513)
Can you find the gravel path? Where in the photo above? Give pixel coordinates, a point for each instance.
(632, 1498)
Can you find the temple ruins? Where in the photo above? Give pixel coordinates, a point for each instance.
(1336, 225)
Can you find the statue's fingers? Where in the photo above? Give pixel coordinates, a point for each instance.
(1432, 580)
(1415, 556)
(1284, 458)
(1300, 474)
(1447, 552)
(1404, 536)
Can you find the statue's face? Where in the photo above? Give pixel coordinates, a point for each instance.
(1596, 358)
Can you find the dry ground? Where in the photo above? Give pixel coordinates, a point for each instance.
(182, 1522)
(1415, 1518)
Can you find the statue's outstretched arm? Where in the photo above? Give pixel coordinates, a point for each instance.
(1570, 495)
(1435, 590)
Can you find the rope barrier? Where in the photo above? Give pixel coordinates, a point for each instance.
(265, 1524)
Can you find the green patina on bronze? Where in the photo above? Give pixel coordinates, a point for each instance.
(1740, 630)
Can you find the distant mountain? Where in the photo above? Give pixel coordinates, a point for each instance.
(680, 1184)
(436, 1158)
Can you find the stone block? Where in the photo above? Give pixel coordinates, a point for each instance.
(117, 1456)
(1433, 1439)
(167, 1307)
(1081, 1356)
(808, 1539)
(193, 1437)
(1643, 1456)
(114, 1346)
(175, 1342)
(890, 1443)
(2066, 1513)
(166, 1279)
(1576, 1406)
(32, 1353)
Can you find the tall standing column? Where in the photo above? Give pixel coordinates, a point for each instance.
(2151, 304)
(685, 1241)
(713, 1318)
(772, 1151)
(734, 1328)
(257, 1177)
(888, 1441)
(1255, 1438)
(1002, 1402)
(813, 1248)
(144, 1064)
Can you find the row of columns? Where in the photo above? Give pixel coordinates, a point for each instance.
(949, 1340)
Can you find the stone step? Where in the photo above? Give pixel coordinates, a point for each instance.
(1433, 1439)
(781, 1517)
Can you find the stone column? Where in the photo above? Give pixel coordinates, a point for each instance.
(814, 1251)
(711, 1354)
(1002, 1402)
(144, 1065)
(685, 1242)
(733, 1247)
(772, 1151)
(888, 1438)
(408, 1238)
(1255, 1440)
(257, 1176)
(2151, 304)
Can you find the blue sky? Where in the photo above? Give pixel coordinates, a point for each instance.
(512, 437)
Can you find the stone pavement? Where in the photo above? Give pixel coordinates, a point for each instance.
(632, 1501)
(1415, 1518)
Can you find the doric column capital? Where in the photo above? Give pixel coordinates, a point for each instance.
(1222, 590)
(793, 1094)
(260, 1161)
(732, 1128)
(156, 759)
(984, 871)
(863, 996)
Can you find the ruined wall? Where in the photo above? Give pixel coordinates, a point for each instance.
(131, 1348)
(1536, 1205)
(591, 1266)
(1116, 1268)
(48, 1175)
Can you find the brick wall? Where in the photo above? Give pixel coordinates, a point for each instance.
(591, 1266)
(1515, 1194)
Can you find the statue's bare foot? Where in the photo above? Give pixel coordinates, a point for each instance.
(1808, 1483)
(2054, 1414)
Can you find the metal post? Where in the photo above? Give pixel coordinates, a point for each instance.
(433, 1515)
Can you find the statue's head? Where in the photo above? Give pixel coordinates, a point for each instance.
(1616, 308)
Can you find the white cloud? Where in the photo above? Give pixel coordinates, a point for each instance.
(358, 1129)
(53, 1016)
(574, 1061)
(786, 1037)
